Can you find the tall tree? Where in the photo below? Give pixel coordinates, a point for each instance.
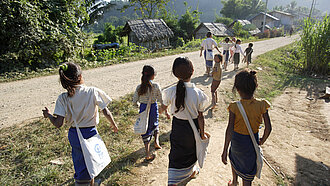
(241, 9)
(188, 22)
(148, 8)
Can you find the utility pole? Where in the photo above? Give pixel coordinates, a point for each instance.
(264, 23)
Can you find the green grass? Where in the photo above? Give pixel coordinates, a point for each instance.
(279, 71)
(25, 152)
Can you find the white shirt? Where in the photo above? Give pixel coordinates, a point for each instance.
(196, 101)
(238, 49)
(226, 46)
(84, 105)
(208, 43)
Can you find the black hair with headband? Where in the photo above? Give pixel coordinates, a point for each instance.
(70, 76)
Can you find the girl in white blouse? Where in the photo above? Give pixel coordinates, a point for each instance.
(184, 95)
(238, 49)
(80, 103)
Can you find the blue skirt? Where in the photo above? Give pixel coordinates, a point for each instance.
(80, 168)
(243, 156)
(152, 122)
(226, 55)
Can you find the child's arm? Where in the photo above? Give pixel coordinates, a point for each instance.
(201, 123)
(201, 51)
(217, 49)
(109, 117)
(229, 133)
(162, 109)
(57, 121)
(268, 128)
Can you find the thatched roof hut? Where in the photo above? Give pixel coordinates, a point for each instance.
(217, 29)
(244, 23)
(150, 33)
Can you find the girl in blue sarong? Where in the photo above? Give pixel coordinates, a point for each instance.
(242, 154)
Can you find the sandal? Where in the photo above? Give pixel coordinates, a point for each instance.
(194, 174)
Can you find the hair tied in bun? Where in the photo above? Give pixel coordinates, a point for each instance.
(252, 72)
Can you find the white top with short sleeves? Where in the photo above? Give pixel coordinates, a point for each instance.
(84, 104)
(208, 44)
(226, 46)
(156, 93)
(238, 49)
(196, 101)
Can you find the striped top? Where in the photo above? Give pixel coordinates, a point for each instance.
(156, 95)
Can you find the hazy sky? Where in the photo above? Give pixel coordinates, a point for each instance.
(323, 5)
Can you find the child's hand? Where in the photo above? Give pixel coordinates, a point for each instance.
(167, 115)
(224, 157)
(45, 112)
(115, 128)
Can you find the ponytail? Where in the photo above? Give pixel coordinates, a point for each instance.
(147, 74)
(70, 76)
(180, 96)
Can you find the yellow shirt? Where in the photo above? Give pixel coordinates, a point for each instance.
(217, 71)
(254, 109)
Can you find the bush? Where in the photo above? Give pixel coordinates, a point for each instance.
(315, 46)
(111, 34)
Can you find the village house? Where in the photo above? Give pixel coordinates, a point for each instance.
(217, 29)
(149, 33)
(286, 19)
(271, 21)
(244, 23)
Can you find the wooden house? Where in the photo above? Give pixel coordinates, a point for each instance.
(271, 21)
(217, 29)
(148, 33)
(244, 23)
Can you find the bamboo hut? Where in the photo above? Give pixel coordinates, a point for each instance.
(149, 33)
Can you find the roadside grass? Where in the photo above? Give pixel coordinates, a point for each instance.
(91, 62)
(26, 152)
(276, 71)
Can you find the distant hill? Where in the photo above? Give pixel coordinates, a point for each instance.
(323, 5)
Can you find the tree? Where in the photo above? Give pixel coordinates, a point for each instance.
(38, 33)
(188, 22)
(148, 8)
(241, 9)
(110, 34)
(224, 20)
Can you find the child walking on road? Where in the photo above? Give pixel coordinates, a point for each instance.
(242, 153)
(248, 53)
(207, 45)
(79, 104)
(226, 47)
(142, 93)
(238, 50)
(181, 97)
(216, 74)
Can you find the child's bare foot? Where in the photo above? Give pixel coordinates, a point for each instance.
(157, 146)
(230, 183)
(150, 158)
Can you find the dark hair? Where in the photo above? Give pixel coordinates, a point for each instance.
(208, 34)
(227, 39)
(70, 76)
(238, 40)
(246, 82)
(147, 72)
(183, 70)
(250, 45)
(219, 56)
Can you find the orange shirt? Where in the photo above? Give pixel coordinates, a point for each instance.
(254, 109)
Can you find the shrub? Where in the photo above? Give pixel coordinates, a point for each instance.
(224, 20)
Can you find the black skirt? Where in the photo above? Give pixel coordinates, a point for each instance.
(183, 144)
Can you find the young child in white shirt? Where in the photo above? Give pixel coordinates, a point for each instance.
(227, 44)
(238, 50)
(207, 45)
(84, 102)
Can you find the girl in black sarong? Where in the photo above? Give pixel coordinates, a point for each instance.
(182, 157)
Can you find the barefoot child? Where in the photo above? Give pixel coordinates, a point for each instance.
(242, 153)
(216, 74)
(207, 45)
(232, 50)
(184, 95)
(84, 102)
(238, 50)
(226, 47)
(143, 91)
(248, 53)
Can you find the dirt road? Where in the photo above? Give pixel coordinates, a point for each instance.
(23, 100)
